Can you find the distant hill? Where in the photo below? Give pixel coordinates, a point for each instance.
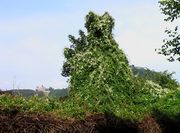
(56, 93)
(24, 92)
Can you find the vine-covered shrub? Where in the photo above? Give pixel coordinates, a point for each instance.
(147, 91)
(164, 79)
(154, 89)
(99, 71)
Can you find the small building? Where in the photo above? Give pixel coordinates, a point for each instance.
(42, 89)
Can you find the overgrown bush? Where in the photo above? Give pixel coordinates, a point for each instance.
(164, 79)
(147, 91)
(99, 71)
(169, 106)
(155, 89)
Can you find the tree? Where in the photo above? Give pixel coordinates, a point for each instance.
(99, 71)
(171, 47)
(50, 88)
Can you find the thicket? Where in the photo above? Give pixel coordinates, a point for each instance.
(169, 106)
(164, 79)
(99, 71)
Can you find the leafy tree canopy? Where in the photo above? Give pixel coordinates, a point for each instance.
(171, 47)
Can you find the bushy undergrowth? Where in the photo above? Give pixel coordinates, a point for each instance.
(164, 79)
(69, 108)
(169, 106)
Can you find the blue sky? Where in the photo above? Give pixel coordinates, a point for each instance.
(34, 33)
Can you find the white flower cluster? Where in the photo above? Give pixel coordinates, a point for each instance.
(155, 89)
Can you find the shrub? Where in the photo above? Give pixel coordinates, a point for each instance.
(155, 89)
(164, 79)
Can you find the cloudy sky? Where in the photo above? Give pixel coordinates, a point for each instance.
(33, 34)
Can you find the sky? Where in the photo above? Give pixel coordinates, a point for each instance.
(34, 33)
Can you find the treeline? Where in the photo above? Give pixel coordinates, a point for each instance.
(164, 79)
(55, 93)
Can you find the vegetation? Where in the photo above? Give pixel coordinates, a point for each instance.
(27, 93)
(101, 81)
(100, 76)
(171, 47)
(24, 92)
(169, 106)
(57, 93)
(164, 79)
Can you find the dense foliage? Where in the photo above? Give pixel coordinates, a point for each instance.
(171, 47)
(164, 79)
(169, 106)
(99, 71)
